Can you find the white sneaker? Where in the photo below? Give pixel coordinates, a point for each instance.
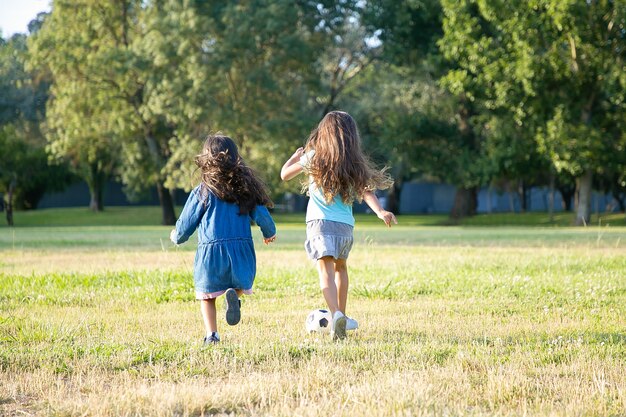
(351, 324)
(338, 330)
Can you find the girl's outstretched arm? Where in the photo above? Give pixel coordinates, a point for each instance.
(263, 219)
(292, 167)
(372, 201)
(190, 217)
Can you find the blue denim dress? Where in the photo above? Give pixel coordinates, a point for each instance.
(225, 257)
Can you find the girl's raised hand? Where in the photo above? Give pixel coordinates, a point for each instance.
(268, 240)
(292, 167)
(173, 235)
(387, 217)
(297, 154)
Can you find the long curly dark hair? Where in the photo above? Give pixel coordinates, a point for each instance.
(340, 168)
(225, 174)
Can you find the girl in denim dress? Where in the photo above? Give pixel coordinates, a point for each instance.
(222, 207)
(339, 173)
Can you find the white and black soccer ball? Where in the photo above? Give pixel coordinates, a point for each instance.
(318, 321)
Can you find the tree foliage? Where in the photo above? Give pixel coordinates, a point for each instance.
(24, 170)
(552, 71)
(473, 92)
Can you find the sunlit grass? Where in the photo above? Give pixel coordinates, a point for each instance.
(101, 321)
(151, 216)
(543, 219)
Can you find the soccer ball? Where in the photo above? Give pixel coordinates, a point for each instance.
(318, 321)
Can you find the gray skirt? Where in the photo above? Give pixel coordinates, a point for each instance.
(328, 238)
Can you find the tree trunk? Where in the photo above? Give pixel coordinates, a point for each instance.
(583, 210)
(523, 198)
(9, 207)
(511, 199)
(393, 197)
(585, 181)
(465, 202)
(167, 205)
(96, 181)
(551, 196)
(566, 194)
(95, 204)
(165, 197)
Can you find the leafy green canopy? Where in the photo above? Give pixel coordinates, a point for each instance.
(142, 82)
(553, 68)
(24, 169)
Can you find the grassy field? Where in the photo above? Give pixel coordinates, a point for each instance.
(150, 216)
(455, 320)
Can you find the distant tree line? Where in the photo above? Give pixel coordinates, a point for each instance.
(508, 94)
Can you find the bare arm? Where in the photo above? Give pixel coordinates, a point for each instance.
(292, 166)
(264, 220)
(372, 201)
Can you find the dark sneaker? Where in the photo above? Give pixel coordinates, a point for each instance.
(213, 339)
(338, 330)
(233, 307)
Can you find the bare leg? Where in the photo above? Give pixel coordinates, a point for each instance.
(342, 282)
(326, 270)
(209, 316)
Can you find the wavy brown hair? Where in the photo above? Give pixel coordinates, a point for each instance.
(339, 166)
(225, 174)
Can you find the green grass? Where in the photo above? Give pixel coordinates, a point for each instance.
(151, 216)
(291, 236)
(454, 320)
(542, 219)
(81, 216)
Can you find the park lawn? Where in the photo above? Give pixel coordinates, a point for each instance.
(151, 216)
(101, 321)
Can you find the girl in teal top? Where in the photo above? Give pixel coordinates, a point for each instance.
(221, 208)
(339, 173)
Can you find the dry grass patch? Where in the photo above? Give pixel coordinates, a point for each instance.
(444, 330)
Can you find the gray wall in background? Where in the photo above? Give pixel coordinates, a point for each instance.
(415, 198)
(77, 195)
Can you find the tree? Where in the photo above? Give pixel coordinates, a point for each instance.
(270, 69)
(100, 51)
(253, 66)
(407, 122)
(512, 157)
(25, 174)
(434, 130)
(556, 66)
(350, 50)
(90, 147)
